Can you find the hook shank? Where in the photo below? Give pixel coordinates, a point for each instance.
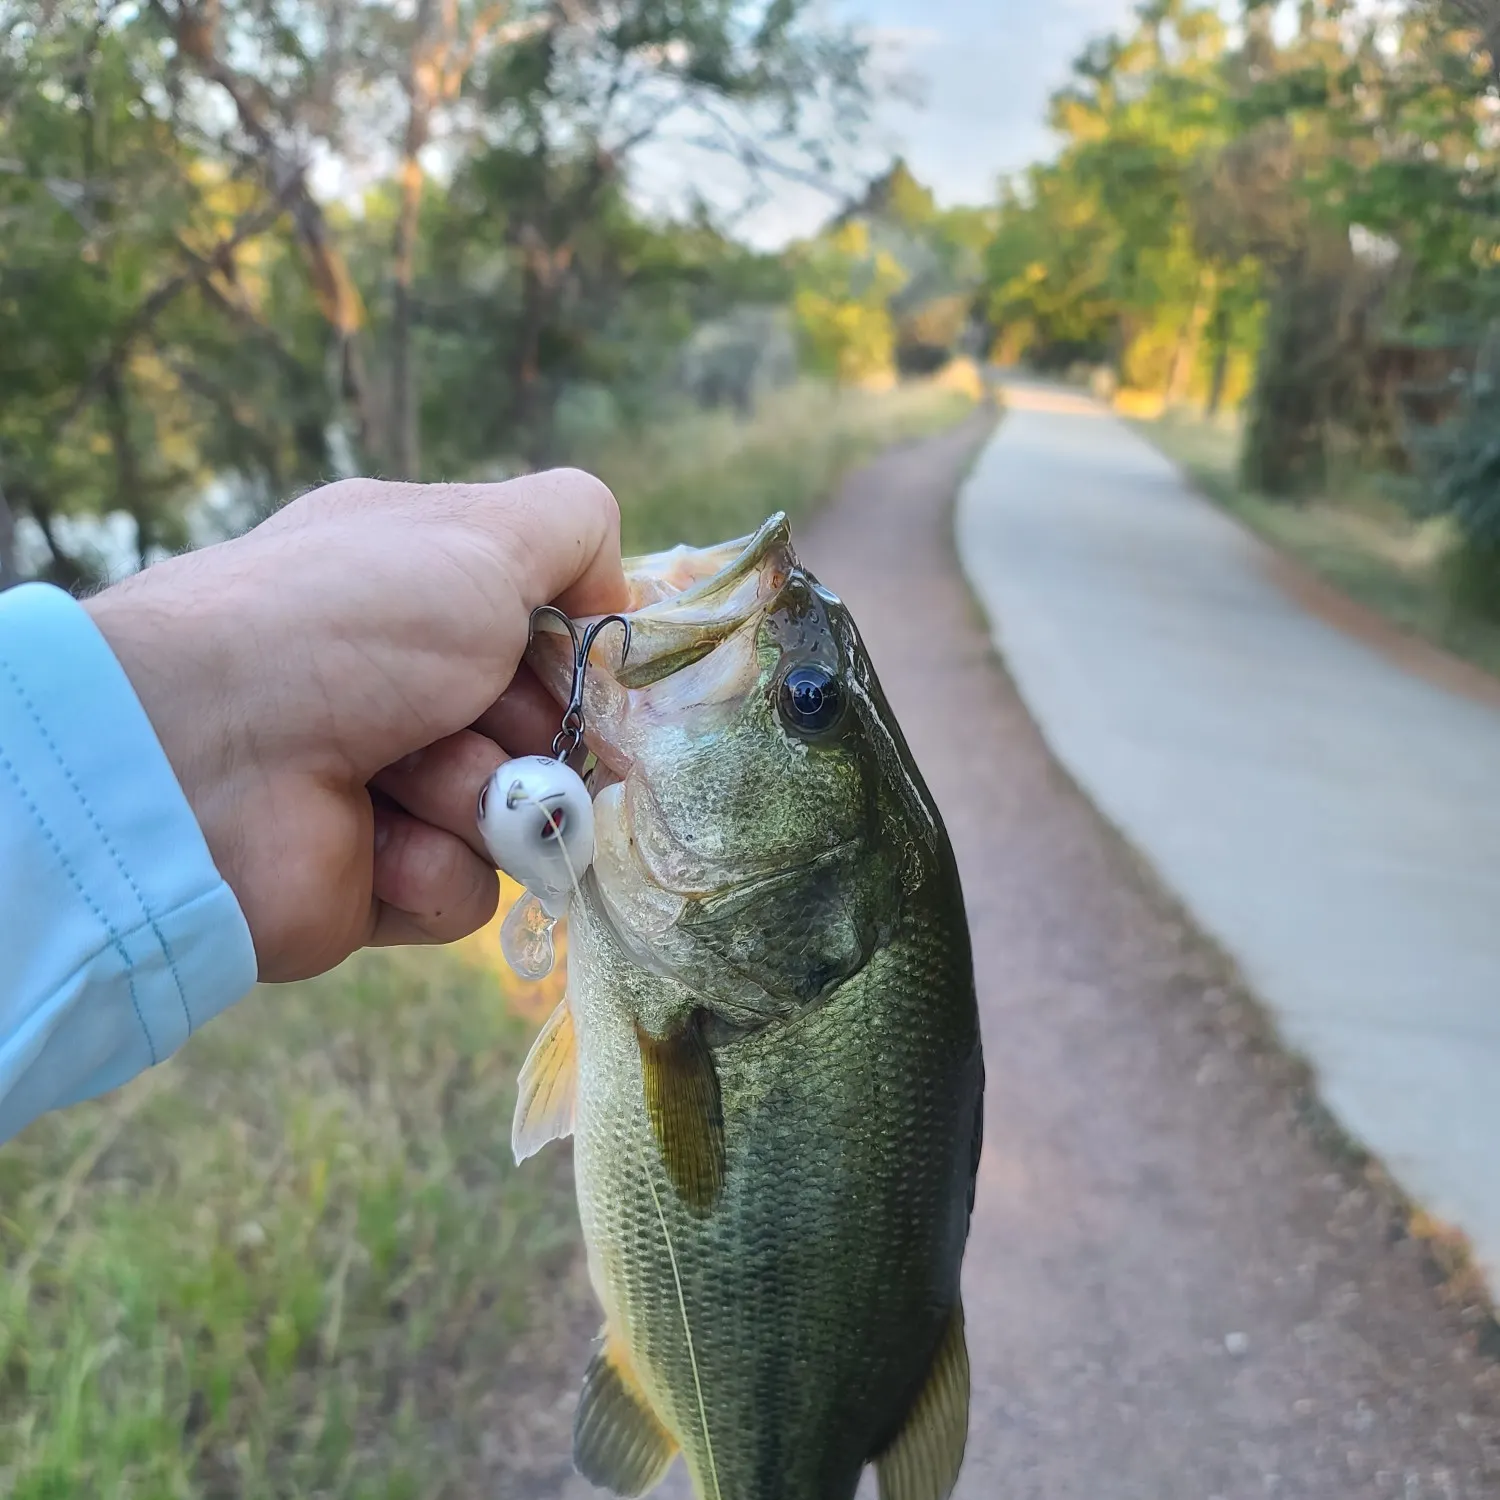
(570, 735)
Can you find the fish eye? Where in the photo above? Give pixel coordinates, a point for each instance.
(810, 700)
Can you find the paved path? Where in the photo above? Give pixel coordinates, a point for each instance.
(1331, 818)
(1172, 1292)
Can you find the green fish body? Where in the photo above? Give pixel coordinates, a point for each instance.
(768, 1056)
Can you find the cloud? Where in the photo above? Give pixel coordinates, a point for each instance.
(902, 38)
(985, 70)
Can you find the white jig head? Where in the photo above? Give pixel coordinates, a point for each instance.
(537, 821)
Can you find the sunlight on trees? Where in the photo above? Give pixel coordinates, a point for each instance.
(249, 244)
(1304, 216)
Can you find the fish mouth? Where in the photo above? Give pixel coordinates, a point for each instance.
(692, 612)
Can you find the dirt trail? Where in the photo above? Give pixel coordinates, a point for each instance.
(1172, 1289)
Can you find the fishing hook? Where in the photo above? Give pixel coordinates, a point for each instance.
(570, 735)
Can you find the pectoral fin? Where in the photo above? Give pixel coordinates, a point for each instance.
(924, 1460)
(548, 1088)
(618, 1442)
(686, 1113)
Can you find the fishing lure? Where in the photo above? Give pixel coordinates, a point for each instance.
(537, 820)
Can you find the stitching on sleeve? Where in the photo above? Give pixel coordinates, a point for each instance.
(83, 802)
(108, 926)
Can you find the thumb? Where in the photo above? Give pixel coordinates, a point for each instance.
(563, 527)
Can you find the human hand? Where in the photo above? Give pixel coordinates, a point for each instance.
(334, 687)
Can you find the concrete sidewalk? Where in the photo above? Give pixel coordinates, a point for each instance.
(1333, 821)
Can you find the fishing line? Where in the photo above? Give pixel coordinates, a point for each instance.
(708, 1446)
(553, 820)
(661, 1218)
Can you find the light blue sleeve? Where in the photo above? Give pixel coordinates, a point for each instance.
(118, 937)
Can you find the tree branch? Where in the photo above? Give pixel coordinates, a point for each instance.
(157, 303)
(337, 295)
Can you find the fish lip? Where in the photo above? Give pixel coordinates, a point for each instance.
(664, 626)
(775, 532)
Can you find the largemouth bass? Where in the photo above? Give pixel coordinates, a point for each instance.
(768, 1055)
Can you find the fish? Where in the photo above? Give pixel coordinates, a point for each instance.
(768, 1052)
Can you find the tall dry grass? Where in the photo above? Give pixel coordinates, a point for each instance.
(704, 477)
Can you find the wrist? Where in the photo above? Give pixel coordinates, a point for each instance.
(183, 674)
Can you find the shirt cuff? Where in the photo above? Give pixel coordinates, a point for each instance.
(124, 873)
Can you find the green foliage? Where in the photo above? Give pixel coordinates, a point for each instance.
(891, 284)
(1321, 205)
(104, 212)
(842, 304)
(736, 360)
(1460, 460)
(182, 317)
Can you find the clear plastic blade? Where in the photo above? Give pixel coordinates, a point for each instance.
(526, 938)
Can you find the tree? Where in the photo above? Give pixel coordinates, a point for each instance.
(844, 286)
(1096, 256)
(1323, 204)
(9, 571)
(196, 303)
(120, 238)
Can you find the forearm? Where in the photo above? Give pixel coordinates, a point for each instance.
(118, 937)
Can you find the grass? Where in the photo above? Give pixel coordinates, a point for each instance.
(1360, 540)
(705, 477)
(294, 1261)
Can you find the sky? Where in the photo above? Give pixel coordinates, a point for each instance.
(986, 69)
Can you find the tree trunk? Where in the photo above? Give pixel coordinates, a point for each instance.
(406, 454)
(337, 295)
(1219, 332)
(1185, 355)
(64, 569)
(536, 299)
(129, 489)
(10, 573)
(1219, 377)
(1285, 452)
